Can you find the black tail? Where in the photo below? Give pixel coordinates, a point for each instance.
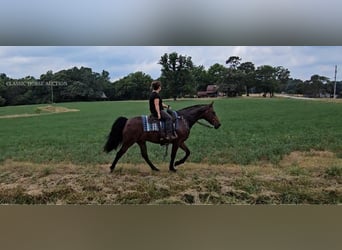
(115, 136)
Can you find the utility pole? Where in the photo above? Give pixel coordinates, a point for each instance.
(335, 82)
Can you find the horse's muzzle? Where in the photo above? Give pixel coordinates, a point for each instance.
(217, 126)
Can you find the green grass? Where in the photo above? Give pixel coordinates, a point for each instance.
(22, 109)
(252, 130)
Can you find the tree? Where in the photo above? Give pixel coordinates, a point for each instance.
(283, 76)
(233, 61)
(247, 70)
(135, 86)
(217, 74)
(75, 84)
(266, 77)
(3, 88)
(82, 84)
(77, 91)
(339, 89)
(233, 82)
(3, 79)
(21, 93)
(294, 86)
(201, 78)
(176, 74)
(315, 86)
(2, 101)
(44, 94)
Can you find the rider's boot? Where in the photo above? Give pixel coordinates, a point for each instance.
(170, 134)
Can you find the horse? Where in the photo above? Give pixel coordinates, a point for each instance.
(126, 132)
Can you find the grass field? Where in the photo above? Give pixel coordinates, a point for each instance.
(254, 148)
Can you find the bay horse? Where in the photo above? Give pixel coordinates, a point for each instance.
(126, 132)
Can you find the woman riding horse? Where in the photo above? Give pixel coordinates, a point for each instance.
(126, 132)
(157, 111)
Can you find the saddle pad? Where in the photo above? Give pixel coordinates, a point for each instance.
(148, 126)
(154, 126)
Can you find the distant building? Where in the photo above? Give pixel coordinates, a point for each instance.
(212, 91)
(104, 96)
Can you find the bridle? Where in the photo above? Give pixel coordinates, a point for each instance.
(205, 125)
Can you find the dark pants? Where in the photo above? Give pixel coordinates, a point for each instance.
(168, 121)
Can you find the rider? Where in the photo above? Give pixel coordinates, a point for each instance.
(157, 110)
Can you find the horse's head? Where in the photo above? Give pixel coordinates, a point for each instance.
(210, 116)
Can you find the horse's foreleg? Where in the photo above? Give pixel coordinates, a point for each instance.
(119, 154)
(143, 150)
(173, 156)
(187, 153)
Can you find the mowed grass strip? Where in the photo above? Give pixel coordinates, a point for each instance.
(253, 130)
(312, 177)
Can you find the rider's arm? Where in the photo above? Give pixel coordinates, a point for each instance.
(156, 104)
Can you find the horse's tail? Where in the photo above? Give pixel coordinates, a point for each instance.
(115, 136)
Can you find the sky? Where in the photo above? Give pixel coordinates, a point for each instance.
(302, 61)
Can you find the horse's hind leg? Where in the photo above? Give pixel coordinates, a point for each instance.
(143, 150)
(119, 154)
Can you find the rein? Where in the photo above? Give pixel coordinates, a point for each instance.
(205, 125)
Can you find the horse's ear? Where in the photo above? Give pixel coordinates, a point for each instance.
(211, 104)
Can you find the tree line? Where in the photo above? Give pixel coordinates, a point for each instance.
(180, 78)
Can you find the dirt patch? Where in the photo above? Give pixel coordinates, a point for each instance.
(299, 97)
(300, 178)
(56, 109)
(45, 110)
(16, 116)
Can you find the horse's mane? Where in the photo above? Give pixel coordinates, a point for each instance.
(193, 107)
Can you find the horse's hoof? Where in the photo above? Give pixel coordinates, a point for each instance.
(173, 170)
(111, 170)
(155, 169)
